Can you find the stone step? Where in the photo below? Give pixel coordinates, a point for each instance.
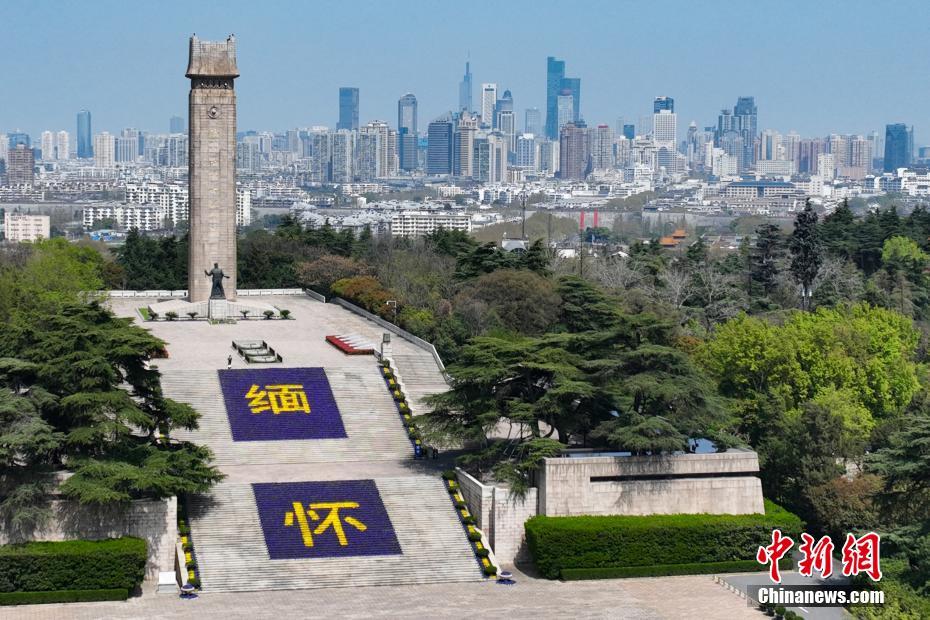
(232, 554)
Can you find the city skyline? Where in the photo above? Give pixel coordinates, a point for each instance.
(621, 76)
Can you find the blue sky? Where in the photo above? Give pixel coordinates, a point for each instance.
(817, 67)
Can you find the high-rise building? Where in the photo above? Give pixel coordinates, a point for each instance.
(85, 145)
(504, 104)
(343, 156)
(463, 146)
(899, 146)
(348, 108)
(526, 152)
(745, 116)
(532, 121)
(177, 125)
(665, 127)
(439, 147)
(104, 150)
(555, 73)
(20, 165)
(16, 138)
(573, 85)
(663, 103)
(629, 131)
(465, 90)
(63, 145)
(573, 151)
(48, 146)
(488, 103)
(566, 108)
(407, 131)
(602, 148)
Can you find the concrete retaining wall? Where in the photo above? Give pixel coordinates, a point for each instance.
(499, 516)
(718, 483)
(153, 521)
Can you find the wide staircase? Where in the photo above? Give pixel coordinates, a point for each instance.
(232, 554)
(244, 541)
(421, 377)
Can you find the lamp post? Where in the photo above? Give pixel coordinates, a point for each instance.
(523, 225)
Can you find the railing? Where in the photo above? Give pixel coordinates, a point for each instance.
(247, 292)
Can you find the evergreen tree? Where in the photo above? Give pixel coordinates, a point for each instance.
(806, 253)
(765, 258)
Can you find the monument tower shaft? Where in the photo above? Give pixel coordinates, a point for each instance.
(212, 164)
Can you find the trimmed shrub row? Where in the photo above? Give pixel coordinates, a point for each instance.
(664, 570)
(62, 596)
(559, 543)
(117, 563)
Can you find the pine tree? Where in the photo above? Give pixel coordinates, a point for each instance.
(764, 260)
(806, 252)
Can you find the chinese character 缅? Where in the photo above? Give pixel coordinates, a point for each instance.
(278, 399)
(774, 552)
(332, 520)
(817, 556)
(861, 555)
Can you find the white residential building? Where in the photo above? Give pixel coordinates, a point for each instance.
(18, 227)
(104, 150)
(418, 223)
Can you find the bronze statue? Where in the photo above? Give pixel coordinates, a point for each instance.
(217, 274)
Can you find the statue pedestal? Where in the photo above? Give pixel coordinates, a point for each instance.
(219, 310)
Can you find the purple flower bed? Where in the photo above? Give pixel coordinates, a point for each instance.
(280, 404)
(324, 519)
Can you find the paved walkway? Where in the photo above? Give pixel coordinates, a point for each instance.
(649, 598)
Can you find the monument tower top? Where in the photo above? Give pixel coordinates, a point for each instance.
(212, 58)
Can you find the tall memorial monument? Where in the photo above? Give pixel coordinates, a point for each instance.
(212, 170)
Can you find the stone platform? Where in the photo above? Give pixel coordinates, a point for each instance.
(215, 309)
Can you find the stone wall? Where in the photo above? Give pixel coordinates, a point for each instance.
(717, 483)
(499, 516)
(508, 537)
(153, 521)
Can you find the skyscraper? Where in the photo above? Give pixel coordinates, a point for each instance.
(463, 146)
(532, 121)
(573, 85)
(176, 125)
(565, 108)
(629, 131)
(899, 146)
(745, 116)
(85, 146)
(602, 148)
(465, 89)
(407, 131)
(504, 104)
(663, 103)
(488, 103)
(555, 72)
(348, 108)
(439, 147)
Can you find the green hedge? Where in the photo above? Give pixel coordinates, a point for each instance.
(117, 563)
(559, 543)
(62, 596)
(664, 570)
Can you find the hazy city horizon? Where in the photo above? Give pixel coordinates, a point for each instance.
(290, 77)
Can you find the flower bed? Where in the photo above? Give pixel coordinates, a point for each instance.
(403, 409)
(468, 521)
(190, 558)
